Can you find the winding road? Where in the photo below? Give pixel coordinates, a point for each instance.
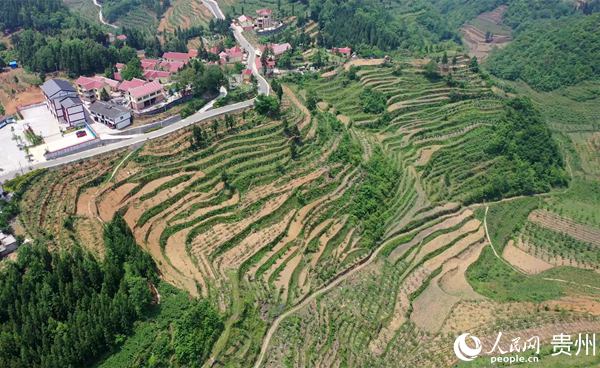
(101, 17)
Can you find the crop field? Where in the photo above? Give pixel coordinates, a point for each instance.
(347, 234)
(184, 14)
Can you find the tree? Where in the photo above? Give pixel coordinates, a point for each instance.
(133, 69)
(445, 58)
(199, 139)
(2, 111)
(431, 70)
(474, 65)
(311, 100)
(267, 105)
(319, 58)
(104, 96)
(277, 88)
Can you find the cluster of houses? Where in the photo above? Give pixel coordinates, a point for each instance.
(263, 22)
(66, 102)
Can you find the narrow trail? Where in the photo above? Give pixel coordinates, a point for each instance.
(101, 17)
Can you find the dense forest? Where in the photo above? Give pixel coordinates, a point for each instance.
(369, 24)
(67, 308)
(60, 309)
(552, 54)
(529, 159)
(43, 15)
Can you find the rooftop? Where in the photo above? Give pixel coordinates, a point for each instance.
(53, 86)
(70, 102)
(127, 85)
(108, 110)
(181, 56)
(264, 12)
(146, 89)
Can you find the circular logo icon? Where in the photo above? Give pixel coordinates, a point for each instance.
(463, 351)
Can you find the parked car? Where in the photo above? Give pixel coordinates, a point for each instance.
(81, 133)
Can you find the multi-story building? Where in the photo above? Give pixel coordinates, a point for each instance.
(113, 116)
(63, 102)
(90, 88)
(145, 96)
(264, 19)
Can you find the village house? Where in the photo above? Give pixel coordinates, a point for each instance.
(264, 19)
(171, 66)
(232, 55)
(157, 75)
(246, 22)
(277, 49)
(177, 56)
(63, 102)
(125, 86)
(145, 96)
(247, 76)
(344, 51)
(8, 244)
(270, 66)
(90, 88)
(113, 116)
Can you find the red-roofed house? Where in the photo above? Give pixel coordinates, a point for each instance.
(172, 66)
(119, 66)
(149, 63)
(264, 19)
(277, 48)
(232, 55)
(90, 88)
(160, 75)
(246, 22)
(345, 51)
(145, 96)
(193, 53)
(176, 56)
(247, 75)
(122, 38)
(214, 50)
(118, 77)
(125, 86)
(270, 64)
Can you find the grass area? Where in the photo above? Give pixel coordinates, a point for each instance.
(494, 279)
(505, 219)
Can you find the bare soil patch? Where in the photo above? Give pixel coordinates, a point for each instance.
(363, 62)
(426, 154)
(16, 89)
(475, 38)
(523, 260)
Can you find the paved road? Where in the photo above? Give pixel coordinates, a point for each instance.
(263, 85)
(138, 140)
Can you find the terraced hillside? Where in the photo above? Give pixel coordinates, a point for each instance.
(184, 14)
(347, 234)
